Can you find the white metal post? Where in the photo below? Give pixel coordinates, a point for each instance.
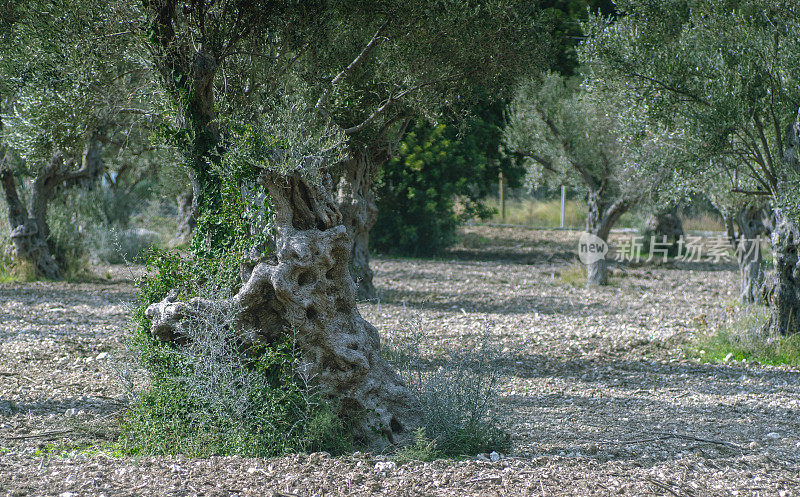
(563, 201)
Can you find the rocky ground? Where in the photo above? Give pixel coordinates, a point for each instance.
(598, 392)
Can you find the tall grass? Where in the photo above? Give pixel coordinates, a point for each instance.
(706, 221)
(547, 214)
(542, 213)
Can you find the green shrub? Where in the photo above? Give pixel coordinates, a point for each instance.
(93, 225)
(437, 179)
(208, 396)
(212, 393)
(459, 397)
(422, 450)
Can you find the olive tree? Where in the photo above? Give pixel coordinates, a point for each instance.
(411, 62)
(569, 136)
(68, 97)
(726, 72)
(327, 77)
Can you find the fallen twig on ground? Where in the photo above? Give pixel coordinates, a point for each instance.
(44, 434)
(659, 436)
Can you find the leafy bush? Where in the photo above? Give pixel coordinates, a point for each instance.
(423, 449)
(208, 397)
(436, 170)
(94, 225)
(211, 393)
(459, 396)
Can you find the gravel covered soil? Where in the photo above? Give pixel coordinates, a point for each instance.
(597, 391)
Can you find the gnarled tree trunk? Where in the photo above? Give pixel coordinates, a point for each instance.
(664, 226)
(782, 287)
(28, 233)
(356, 200)
(29, 229)
(747, 245)
(308, 292)
(600, 218)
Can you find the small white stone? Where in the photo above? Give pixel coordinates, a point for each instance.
(101, 355)
(494, 456)
(728, 357)
(773, 435)
(71, 412)
(385, 466)
(481, 457)
(67, 494)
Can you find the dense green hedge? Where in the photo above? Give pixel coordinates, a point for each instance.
(436, 180)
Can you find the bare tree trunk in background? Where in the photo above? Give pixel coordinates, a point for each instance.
(664, 225)
(597, 273)
(356, 202)
(29, 229)
(600, 218)
(308, 291)
(187, 213)
(746, 243)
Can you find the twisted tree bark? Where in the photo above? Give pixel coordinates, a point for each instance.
(782, 287)
(308, 291)
(29, 229)
(356, 199)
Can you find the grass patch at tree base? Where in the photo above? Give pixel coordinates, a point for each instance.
(740, 338)
(12, 271)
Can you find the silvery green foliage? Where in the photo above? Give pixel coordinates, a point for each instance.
(569, 132)
(289, 138)
(219, 374)
(725, 73)
(67, 73)
(459, 393)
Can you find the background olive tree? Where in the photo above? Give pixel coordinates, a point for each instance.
(570, 136)
(73, 106)
(726, 74)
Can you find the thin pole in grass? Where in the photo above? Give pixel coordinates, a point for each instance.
(563, 202)
(502, 199)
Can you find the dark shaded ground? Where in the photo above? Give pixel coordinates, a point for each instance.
(597, 390)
